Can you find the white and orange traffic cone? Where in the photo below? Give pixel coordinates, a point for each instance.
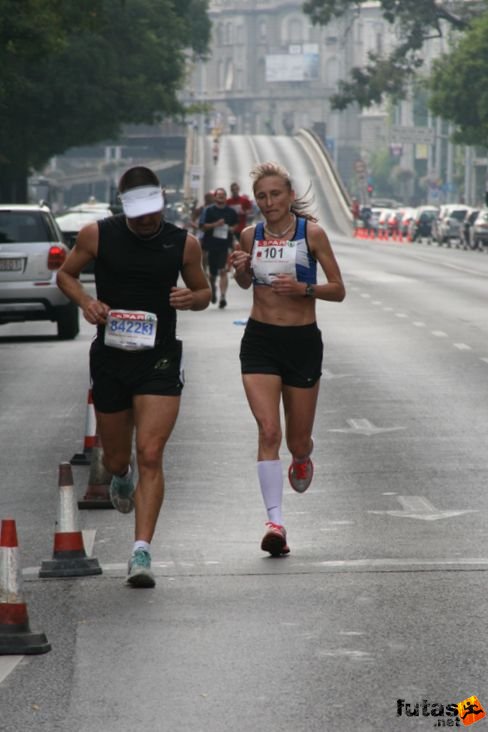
(83, 458)
(69, 556)
(97, 493)
(16, 637)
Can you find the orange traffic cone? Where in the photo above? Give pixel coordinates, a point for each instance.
(69, 556)
(16, 637)
(97, 492)
(83, 458)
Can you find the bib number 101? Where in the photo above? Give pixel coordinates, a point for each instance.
(274, 253)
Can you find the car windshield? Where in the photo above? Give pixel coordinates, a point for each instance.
(21, 227)
(459, 214)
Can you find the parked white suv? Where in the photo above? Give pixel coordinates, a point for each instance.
(31, 252)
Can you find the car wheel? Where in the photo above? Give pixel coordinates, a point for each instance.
(68, 320)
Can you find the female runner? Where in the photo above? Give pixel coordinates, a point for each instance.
(281, 350)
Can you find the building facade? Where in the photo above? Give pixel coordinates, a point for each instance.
(270, 71)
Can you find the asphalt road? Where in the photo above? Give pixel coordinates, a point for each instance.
(383, 597)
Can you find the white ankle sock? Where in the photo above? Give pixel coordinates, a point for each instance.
(142, 545)
(271, 481)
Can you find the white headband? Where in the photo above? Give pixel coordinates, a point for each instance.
(143, 200)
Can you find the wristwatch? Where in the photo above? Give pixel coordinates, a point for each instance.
(310, 291)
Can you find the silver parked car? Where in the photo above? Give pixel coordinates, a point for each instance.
(448, 224)
(31, 251)
(479, 230)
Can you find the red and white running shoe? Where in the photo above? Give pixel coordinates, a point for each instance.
(300, 474)
(274, 540)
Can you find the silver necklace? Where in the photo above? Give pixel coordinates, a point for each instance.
(278, 236)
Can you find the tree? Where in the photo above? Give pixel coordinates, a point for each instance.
(416, 21)
(74, 72)
(459, 86)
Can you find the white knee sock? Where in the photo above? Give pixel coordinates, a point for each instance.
(271, 481)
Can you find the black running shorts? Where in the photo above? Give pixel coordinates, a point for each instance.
(293, 352)
(217, 259)
(118, 375)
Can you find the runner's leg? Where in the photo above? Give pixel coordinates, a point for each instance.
(115, 431)
(154, 418)
(263, 392)
(300, 405)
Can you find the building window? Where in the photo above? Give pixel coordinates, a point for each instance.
(220, 75)
(229, 75)
(295, 31)
(219, 35)
(332, 73)
(228, 33)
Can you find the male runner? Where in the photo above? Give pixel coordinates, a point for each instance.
(136, 359)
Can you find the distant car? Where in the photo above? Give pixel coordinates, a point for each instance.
(467, 228)
(395, 223)
(73, 219)
(406, 217)
(420, 226)
(383, 219)
(479, 232)
(31, 251)
(449, 223)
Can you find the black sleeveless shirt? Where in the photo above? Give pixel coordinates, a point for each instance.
(137, 274)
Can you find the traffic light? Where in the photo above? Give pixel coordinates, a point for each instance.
(370, 188)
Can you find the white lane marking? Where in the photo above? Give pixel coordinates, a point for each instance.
(419, 324)
(326, 374)
(401, 315)
(363, 426)
(365, 294)
(419, 507)
(439, 333)
(462, 346)
(389, 563)
(377, 302)
(375, 276)
(388, 310)
(353, 654)
(434, 259)
(7, 665)
(485, 360)
(168, 570)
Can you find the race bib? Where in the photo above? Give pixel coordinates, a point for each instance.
(272, 257)
(221, 232)
(130, 330)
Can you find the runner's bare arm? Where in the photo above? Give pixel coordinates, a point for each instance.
(68, 277)
(196, 295)
(319, 243)
(240, 258)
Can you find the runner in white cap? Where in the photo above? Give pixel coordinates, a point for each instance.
(136, 359)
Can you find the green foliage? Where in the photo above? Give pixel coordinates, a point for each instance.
(459, 86)
(381, 165)
(74, 71)
(415, 20)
